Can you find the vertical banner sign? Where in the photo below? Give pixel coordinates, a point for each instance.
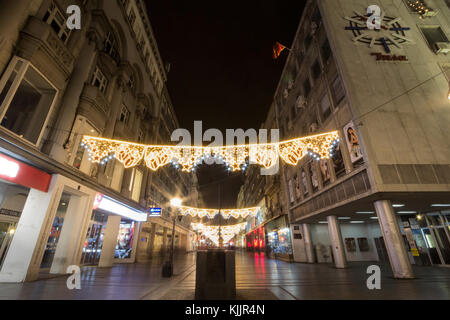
(352, 140)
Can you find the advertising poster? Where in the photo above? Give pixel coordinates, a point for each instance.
(352, 140)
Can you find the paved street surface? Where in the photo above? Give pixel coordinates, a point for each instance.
(257, 278)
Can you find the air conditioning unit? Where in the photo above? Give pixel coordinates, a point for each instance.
(301, 102)
(441, 47)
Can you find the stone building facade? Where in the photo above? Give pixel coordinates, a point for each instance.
(383, 194)
(108, 80)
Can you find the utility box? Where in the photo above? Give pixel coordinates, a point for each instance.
(215, 275)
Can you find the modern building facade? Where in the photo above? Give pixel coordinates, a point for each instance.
(108, 79)
(383, 195)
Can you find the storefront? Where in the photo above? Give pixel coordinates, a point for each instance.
(279, 245)
(126, 223)
(428, 237)
(255, 240)
(16, 180)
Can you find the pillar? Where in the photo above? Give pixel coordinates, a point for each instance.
(393, 239)
(116, 104)
(110, 241)
(73, 233)
(13, 16)
(24, 257)
(336, 242)
(164, 245)
(71, 100)
(308, 244)
(151, 241)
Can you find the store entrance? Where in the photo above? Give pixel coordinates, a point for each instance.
(55, 232)
(7, 230)
(94, 239)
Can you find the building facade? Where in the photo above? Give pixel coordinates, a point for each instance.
(383, 194)
(107, 79)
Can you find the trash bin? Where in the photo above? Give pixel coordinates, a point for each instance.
(215, 275)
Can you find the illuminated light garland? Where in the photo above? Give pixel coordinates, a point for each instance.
(226, 213)
(235, 157)
(214, 233)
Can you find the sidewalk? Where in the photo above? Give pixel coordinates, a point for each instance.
(257, 278)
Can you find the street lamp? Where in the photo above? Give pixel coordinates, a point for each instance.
(167, 270)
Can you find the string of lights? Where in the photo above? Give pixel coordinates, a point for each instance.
(235, 157)
(211, 213)
(214, 233)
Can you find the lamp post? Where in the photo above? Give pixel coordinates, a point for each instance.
(167, 270)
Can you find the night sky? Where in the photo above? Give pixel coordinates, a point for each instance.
(222, 70)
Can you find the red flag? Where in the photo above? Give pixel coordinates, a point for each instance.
(277, 49)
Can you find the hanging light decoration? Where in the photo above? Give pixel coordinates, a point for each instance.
(214, 233)
(188, 158)
(226, 213)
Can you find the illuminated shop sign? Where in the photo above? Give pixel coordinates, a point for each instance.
(22, 174)
(108, 204)
(154, 212)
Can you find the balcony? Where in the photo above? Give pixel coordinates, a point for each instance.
(40, 44)
(94, 106)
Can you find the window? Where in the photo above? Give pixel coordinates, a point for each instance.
(326, 51)
(433, 34)
(131, 17)
(316, 70)
(306, 87)
(57, 20)
(26, 99)
(338, 91)
(325, 107)
(124, 115)
(99, 80)
(111, 47)
(141, 136)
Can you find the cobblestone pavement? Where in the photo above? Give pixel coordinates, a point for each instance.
(257, 278)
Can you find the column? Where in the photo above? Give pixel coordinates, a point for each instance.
(393, 239)
(164, 245)
(12, 17)
(336, 242)
(151, 241)
(22, 262)
(72, 234)
(308, 244)
(110, 241)
(116, 104)
(71, 100)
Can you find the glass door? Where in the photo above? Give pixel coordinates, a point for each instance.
(7, 230)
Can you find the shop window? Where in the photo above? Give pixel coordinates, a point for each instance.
(338, 91)
(26, 100)
(55, 233)
(57, 21)
(325, 107)
(124, 115)
(125, 238)
(99, 80)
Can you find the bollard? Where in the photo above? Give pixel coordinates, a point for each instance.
(215, 275)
